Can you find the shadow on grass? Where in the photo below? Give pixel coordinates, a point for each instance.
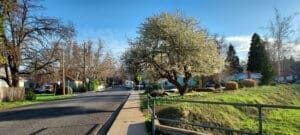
(137, 128)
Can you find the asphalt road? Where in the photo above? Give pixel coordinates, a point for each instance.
(83, 114)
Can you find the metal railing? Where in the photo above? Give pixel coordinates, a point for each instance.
(151, 105)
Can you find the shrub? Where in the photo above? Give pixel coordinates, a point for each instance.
(240, 83)
(82, 89)
(249, 83)
(68, 90)
(29, 90)
(157, 93)
(231, 85)
(217, 84)
(29, 95)
(93, 84)
(3, 60)
(152, 87)
(156, 86)
(274, 83)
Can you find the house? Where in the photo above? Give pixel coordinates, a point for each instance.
(73, 83)
(3, 84)
(168, 85)
(287, 78)
(243, 76)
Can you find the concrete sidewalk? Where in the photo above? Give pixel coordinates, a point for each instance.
(130, 120)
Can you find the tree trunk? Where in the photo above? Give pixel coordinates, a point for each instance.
(183, 90)
(15, 77)
(14, 70)
(7, 76)
(177, 85)
(202, 81)
(172, 77)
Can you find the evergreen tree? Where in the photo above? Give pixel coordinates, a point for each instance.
(259, 61)
(233, 60)
(267, 71)
(254, 57)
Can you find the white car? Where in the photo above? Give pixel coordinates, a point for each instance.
(129, 84)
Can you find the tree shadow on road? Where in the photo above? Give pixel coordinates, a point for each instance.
(47, 112)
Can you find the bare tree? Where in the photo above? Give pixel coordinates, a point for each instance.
(108, 66)
(281, 31)
(87, 60)
(28, 38)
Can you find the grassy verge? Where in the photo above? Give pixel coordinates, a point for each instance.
(276, 121)
(40, 98)
(143, 107)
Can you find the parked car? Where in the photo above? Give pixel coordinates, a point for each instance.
(45, 89)
(40, 90)
(138, 87)
(129, 84)
(210, 84)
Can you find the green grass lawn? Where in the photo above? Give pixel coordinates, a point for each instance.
(276, 121)
(40, 98)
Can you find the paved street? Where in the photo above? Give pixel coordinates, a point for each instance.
(81, 115)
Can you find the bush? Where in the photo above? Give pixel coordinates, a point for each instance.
(93, 85)
(249, 83)
(68, 90)
(29, 95)
(152, 87)
(82, 89)
(217, 85)
(156, 86)
(157, 93)
(231, 85)
(240, 83)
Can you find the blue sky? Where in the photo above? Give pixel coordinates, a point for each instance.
(115, 21)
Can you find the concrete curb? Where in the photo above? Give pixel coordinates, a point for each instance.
(131, 120)
(105, 128)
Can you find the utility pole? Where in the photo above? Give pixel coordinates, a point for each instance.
(84, 64)
(63, 71)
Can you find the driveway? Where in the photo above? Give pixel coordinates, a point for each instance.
(84, 114)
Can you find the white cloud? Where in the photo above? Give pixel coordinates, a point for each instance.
(242, 45)
(294, 50)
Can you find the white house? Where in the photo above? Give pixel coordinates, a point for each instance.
(243, 76)
(166, 84)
